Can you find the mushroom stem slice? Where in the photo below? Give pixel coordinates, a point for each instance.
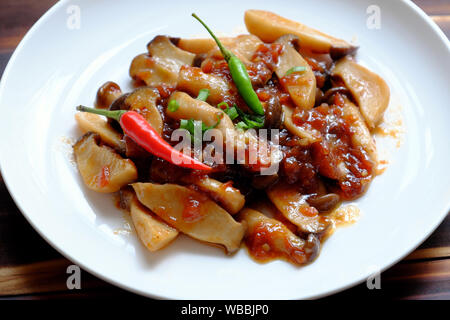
(368, 89)
(153, 233)
(268, 238)
(294, 207)
(101, 168)
(302, 85)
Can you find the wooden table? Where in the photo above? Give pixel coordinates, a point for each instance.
(31, 269)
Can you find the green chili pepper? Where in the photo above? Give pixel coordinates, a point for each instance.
(239, 74)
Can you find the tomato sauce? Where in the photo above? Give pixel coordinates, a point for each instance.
(192, 208)
(104, 177)
(335, 156)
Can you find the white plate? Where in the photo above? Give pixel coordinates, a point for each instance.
(56, 68)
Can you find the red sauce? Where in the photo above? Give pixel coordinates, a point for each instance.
(335, 156)
(192, 208)
(268, 241)
(165, 91)
(268, 54)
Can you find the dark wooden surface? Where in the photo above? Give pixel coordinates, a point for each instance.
(31, 269)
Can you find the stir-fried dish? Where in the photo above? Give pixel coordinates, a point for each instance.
(252, 140)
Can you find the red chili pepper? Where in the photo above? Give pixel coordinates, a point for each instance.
(138, 129)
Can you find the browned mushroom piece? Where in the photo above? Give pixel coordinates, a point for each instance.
(106, 94)
(143, 100)
(328, 96)
(300, 85)
(267, 238)
(101, 168)
(293, 205)
(324, 203)
(161, 64)
(269, 26)
(273, 113)
(368, 89)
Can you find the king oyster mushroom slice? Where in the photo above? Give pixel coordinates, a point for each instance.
(269, 26)
(101, 168)
(192, 213)
(294, 207)
(243, 46)
(162, 63)
(302, 85)
(228, 197)
(368, 89)
(153, 233)
(143, 100)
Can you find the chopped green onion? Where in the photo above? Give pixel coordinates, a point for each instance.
(173, 106)
(250, 120)
(203, 94)
(295, 69)
(231, 112)
(241, 125)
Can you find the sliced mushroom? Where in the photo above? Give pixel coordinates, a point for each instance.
(273, 113)
(89, 122)
(144, 69)
(153, 233)
(144, 101)
(192, 80)
(347, 151)
(162, 63)
(308, 137)
(269, 238)
(230, 198)
(192, 213)
(368, 89)
(269, 26)
(106, 94)
(101, 168)
(243, 46)
(198, 45)
(325, 202)
(300, 85)
(293, 205)
(190, 108)
(162, 48)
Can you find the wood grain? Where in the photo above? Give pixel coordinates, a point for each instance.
(31, 269)
(16, 17)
